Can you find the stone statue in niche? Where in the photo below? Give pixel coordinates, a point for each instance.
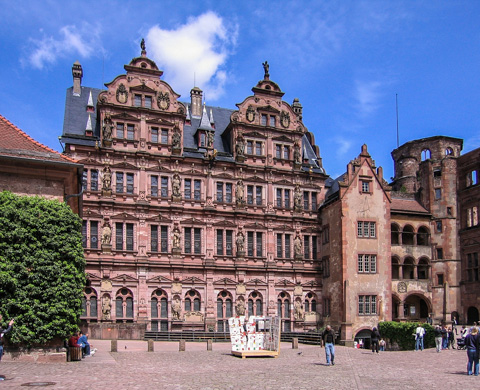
(297, 198)
(240, 241)
(176, 185)
(297, 245)
(240, 146)
(210, 139)
(240, 307)
(107, 179)
(176, 309)
(107, 128)
(106, 307)
(106, 234)
(297, 158)
(176, 238)
(176, 139)
(239, 193)
(299, 312)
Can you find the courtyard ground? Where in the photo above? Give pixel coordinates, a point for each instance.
(132, 367)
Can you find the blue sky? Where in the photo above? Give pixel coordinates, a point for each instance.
(345, 60)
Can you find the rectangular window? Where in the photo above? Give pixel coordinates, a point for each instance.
(164, 239)
(287, 245)
(279, 245)
(93, 234)
(264, 120)
(286, 195)
(286, 152)
(228, 192)
(138, 100)
(259, 245)
(84, 234)
(438, 193)
(325, 234)
(439, 226)
(154, 135)
(365, 186)
(249, 194)
(306, 247)
(148, 102)
(130, 183)
(306, 202)
(129, 236)
(220, 192)
(119, 182)
(197, 186)
(272, 121)
(229, 242)
(119, 236)
(314, 201)
(367, 264)
(367, 305)
(258, 148)
(366, 229)
(197, 241)
(258, 192)
(219, 242)
(164, 136)
(85, 180)
(94, 180)
(314, 247)
(187, 235)
(187, 186)
(279, 197)
(130, 132)
(325, 267)
(164, 188)
(440, 279)
(250, 244)
(439, 253)
(154, 238)
(154, 186)
(249, 147)
(278, 151)
(120, 128)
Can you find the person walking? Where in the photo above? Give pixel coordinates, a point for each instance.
(3, 332)
(374, 339)
(438, 338)
(328, 337)
(419, 334)
(471, 342)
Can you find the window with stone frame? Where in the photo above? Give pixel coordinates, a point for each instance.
(90, 234)
(472, 267)
(472, 178)
(327, 310)
(255, 244)
(224, 310)
(137, 100)
(310, 302)
(164, 136)
(164, 186)
(254, 195)
(120, 130)
(224, 192)
(192, 301)
(148, 102)
(192, 240)
(283, 245)
(283, 305)
(366, 229)
(124, 236)
(197, 189)
(283, 198)
(130, 132)
(325, 234)
(365, 186)
(154, 186)
(225, 242)
(367, 264)
(255, 304)
(89, 304)
(438, 193)
(472, 216)
(154, 135)
(309, 200)
(124, 305)
(367, 305)
(159, 310)
(325, 267)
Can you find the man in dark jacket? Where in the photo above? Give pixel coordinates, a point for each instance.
(2, 333)
(328, 337)
(374, 338)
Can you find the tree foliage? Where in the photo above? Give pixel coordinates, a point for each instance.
(403, 334)
(42, 268)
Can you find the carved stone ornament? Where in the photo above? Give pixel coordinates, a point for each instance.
(176, 288)
(122, 94)
(402, 287)
(163, 100)
(250, 114)
(285, 119)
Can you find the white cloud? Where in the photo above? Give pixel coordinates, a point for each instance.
(367, 95)
(344, 146)
(71, 40)
(198, 49)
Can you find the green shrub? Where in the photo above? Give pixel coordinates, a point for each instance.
(403, 334)
(42, 268)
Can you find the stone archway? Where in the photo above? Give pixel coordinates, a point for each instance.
(363, 338)
(416, 307)
(472, 315)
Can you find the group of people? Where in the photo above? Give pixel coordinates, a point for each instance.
(80, 339)
(444, 338)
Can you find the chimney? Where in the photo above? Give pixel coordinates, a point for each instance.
(77, 73)
(196, 95)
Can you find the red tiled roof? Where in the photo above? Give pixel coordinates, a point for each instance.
(16, 143)
(407, 205)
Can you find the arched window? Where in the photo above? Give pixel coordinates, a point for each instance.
(395, 233)
(426, 154)
(283, 310)
(449, 151)
(224, 310)
(255, 304)
(423, 268)
(409, 268)
(395, 268)
(407, 235)
(310, 302)
(89, 304)
(124, 305)
(423, 236)
(159, 310)
(192, 301)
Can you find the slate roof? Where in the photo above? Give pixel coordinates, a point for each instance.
(15, 143)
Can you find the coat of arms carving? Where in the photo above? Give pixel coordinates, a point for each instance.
(122, 94)
(163, 100)
(285, 119)
(250, 114)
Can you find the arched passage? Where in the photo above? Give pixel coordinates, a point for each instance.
(472, 315)
(363, 338)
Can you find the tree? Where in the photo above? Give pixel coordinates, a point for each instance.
(42, 268)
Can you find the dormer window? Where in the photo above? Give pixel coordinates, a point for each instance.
(202, 141)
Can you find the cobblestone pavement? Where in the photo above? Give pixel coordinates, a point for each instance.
(196, 368)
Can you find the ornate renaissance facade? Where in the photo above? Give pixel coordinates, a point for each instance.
(193, 214)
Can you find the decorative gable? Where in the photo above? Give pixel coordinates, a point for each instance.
(224, 282)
